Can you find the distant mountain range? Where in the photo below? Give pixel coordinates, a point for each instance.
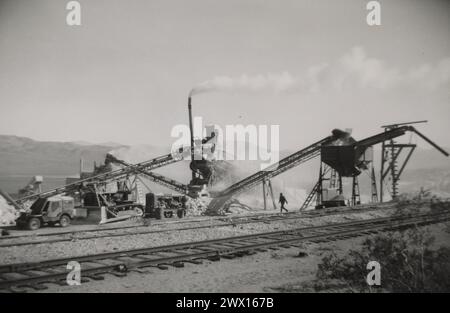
(106, 144)
(21, 158)
(25, 156)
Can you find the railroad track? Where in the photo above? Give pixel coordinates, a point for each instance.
(19, 277)
(131, 230)
(235, 219)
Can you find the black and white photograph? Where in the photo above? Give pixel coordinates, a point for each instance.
(224, 153)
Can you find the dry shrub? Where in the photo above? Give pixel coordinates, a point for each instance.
(413, 202)
(408, 264)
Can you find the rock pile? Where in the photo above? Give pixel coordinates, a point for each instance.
(197, 207)
(8, 214)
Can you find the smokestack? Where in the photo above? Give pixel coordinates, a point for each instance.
(191, 129)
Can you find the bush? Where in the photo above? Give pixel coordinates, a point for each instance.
(408, 264)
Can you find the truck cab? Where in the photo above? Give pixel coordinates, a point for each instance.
(53, 210)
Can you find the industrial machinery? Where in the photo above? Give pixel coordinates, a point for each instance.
(52, 210)
(349, 158)
(202, 151)
(127, 170)
(95, 192)
(103, 178)
(340, 154)
(165, 205)
(97, 184)
(91, 192)
(391, 164)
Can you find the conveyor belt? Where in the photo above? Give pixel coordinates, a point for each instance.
(108, 176)
(277, 168)
(283, 165)
(157, 178)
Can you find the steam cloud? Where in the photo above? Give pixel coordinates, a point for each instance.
(136, 154)
(277, 82)
(354, 69)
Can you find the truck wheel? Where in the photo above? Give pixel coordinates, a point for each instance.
(34, 223)
(159, 213)
(64, 221)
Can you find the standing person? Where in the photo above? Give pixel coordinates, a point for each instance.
(282, 201)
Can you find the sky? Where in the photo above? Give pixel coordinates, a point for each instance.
(309, 66)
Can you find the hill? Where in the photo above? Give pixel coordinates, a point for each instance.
(21, 158)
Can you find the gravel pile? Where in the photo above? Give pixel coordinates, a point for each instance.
(196, 207)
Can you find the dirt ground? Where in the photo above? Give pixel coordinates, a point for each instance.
(272, 271)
